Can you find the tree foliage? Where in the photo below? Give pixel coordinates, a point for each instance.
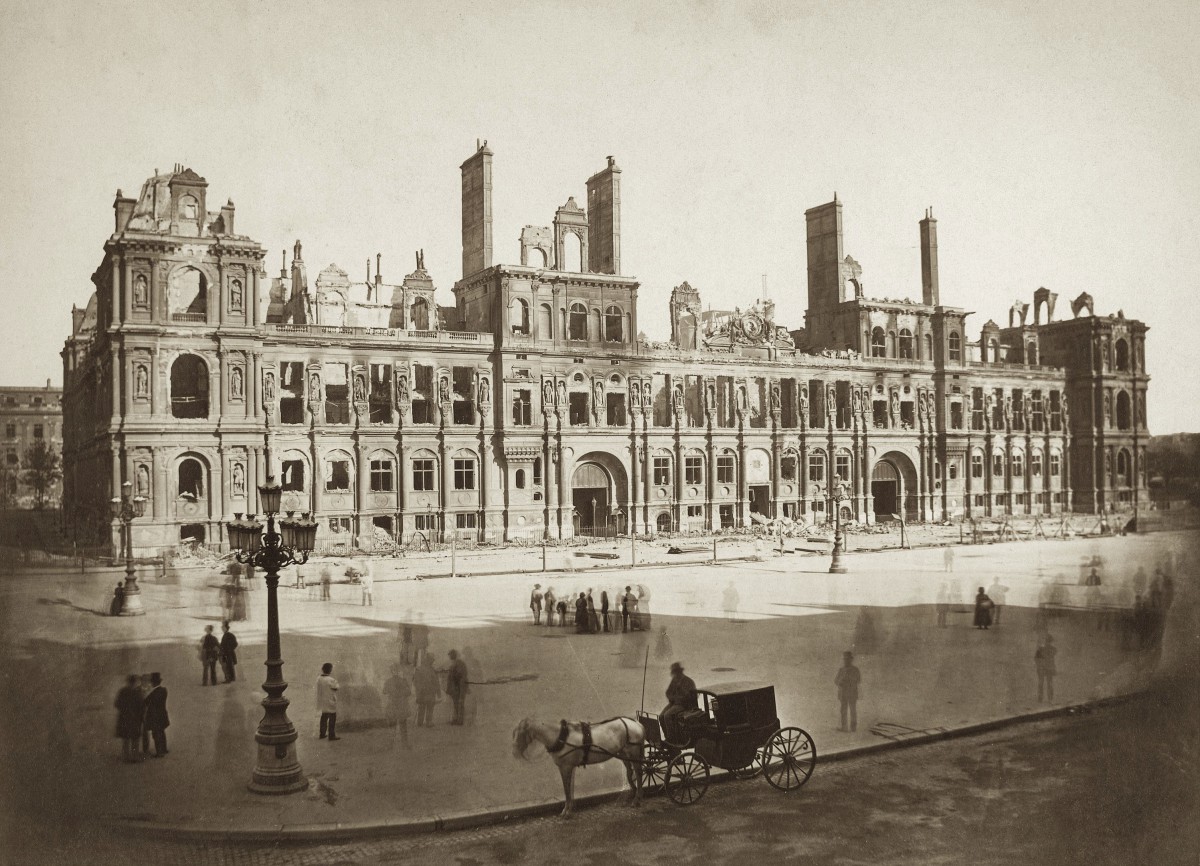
(42, 468)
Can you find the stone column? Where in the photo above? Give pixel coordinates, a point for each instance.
(362, 484)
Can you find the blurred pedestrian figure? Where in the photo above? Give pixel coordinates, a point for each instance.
(956, 596)
(581, 614)
(234, 744)
(326, 583)
(396, 692)
(1168, 591)
(730, 601)
(948, 559)
(535, 603)
(118, 599)
(228, 653)
(943, 605)
(627, 602)
(156, 719)
(643, 606)
(456, 686)
(130, 710)
(662, 647)
(225, 597)
(562, 611)
(997, 592)
(593, 619)
(866, 638)
(367, 578)
(420, 640)
(681, 697)
(551, 602)
(426, 687)
(847, 679)
(604, 608)
(406, 643)
(1139, 581)
(1093, 578)
(1044, 662)
(210, 652)
(476, 670)
(327, 689)
(983, 609)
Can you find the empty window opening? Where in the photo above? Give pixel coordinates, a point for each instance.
(464, 395)
(518, 316)
(337, 395)
(878, 343)
(291, 394)
(578, 409)
(380, 397)
(613, 330)
(189, 387)
(615, 407)
(522, 408)
(187, 295)
(577, 323)
(954, 344)
(519, 479)
(191, 479)
(726, 469)
(337, 475)
(418, 315)
(292, 476)
(906, 343)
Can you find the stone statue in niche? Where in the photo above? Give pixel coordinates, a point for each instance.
(402, 397)
(562, 394)
(141, 382)
(711, 392)
(236, 383)
(485, 392)
(1008, 410)
(679, 403)
(776, 397)
(742, 403)
(269, 389)
(547, 393)
(895, 404)
(239, 480)
(598, 392)
(1107, 409)
(444, 390)
(360, 388)
(235, 295)
(142, 480)
(314, 387)
(141, 292)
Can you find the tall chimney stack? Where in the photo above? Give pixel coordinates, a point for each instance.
(477, 211)
(929, 261)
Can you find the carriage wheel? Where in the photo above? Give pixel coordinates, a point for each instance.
(752, 769)
(687, 778)
(654, 769)
(789, 758)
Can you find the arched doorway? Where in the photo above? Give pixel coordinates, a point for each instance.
(894, 488)
(598, 488)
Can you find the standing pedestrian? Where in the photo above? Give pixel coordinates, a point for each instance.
(456, 686)
(997, 592)
(420, 640)
(228, 653)
(1044, 662)
(593, 620)
(847, 679)
(396, 691)
(130, 710)
(210, 652)
(327, 689)
(425, 684)
(948, 559)
(118, 599)
(604, 608)
(550, 601)
(627, 601)
(326, 582)
(406, 644)
(368, 585)
(943, 604)
(983, 609)
(156, 719)
(581, 614)
(535, 603)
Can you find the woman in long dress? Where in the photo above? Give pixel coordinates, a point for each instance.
(983, 609)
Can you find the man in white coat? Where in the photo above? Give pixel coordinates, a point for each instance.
(327, 689)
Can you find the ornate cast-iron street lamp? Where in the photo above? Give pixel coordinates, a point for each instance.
(837, 496)
(126, 508)
(277, 770)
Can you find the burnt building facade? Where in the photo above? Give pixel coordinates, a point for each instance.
(530, 408)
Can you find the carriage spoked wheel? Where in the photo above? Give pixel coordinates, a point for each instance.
(752, 769)
(789, 758)
(655, 761)
(687, 778)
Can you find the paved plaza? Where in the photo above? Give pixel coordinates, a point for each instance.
(783, 620)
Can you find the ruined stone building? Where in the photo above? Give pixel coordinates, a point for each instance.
(530, 408)
(28, 416)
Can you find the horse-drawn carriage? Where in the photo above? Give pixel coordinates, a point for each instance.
(736, 728)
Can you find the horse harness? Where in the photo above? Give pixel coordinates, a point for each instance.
(564, 730)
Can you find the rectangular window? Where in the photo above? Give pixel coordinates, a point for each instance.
(979, 500)
(424, 477)
(380, 398)
(464, 520)
(727, 517)
(1018, 414)
(787, 468)
(616, 409)
(1055, 465)
(695, 512)
(908, 415)
(999, 499)
(1055, 411)
(537, 472)
(662, 470)
(38, 431)
(10, 431)
(726, 413)
(1038, 412)
(337, 395)
(956, 415)
(339, 526)
(293, 475)
(464, 395)
(879, 413)
(816, 467)
(693, 401)
(423, 380)
(998, 465)
(337, 475)
(522, 407)
(1035, 465)
(422, 411)
(725, 469)
(693, 470)
(291, 393)
(464, 474)
(976, 465)
(787, 403)
(382, 476)
(578, 409)
(998, 409)
(424, 522)
(661, 401)
(1019, 498)
(843, 467)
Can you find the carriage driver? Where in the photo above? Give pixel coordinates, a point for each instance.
(681, 696)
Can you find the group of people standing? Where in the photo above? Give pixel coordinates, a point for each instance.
(142, 714)
(582, 611)
(223, 651)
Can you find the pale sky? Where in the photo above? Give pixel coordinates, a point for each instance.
(1056, 142)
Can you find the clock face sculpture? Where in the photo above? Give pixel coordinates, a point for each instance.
(752, 325)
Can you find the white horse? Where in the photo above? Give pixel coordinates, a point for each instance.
(570, 747)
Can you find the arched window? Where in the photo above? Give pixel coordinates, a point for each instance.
(1124, 411)
(188, 208)
(519, 479)
(189, 387)
(518, 316)
(331, 310)
(612, 325)
(906, 343)
(1018, 465)
(1122, 355)
(545, 323)
(954, 344)
(878, 344)
(1031, 353)
(537, 471)
(977, 464)
(187, 295)
(577, 323)
(572, 253)
(191, 478)
(663, 522)
(1035, 464)
(928, 356)
(418, 315)
(994, 350)
(1123, 467)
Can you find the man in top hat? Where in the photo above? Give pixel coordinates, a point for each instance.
(847, 680)
(681, 696)
(156, 719)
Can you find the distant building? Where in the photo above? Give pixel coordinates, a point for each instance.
(530, 409)
(28, 415)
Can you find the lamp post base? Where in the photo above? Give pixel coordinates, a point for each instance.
(131, 602)
(277, 770)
